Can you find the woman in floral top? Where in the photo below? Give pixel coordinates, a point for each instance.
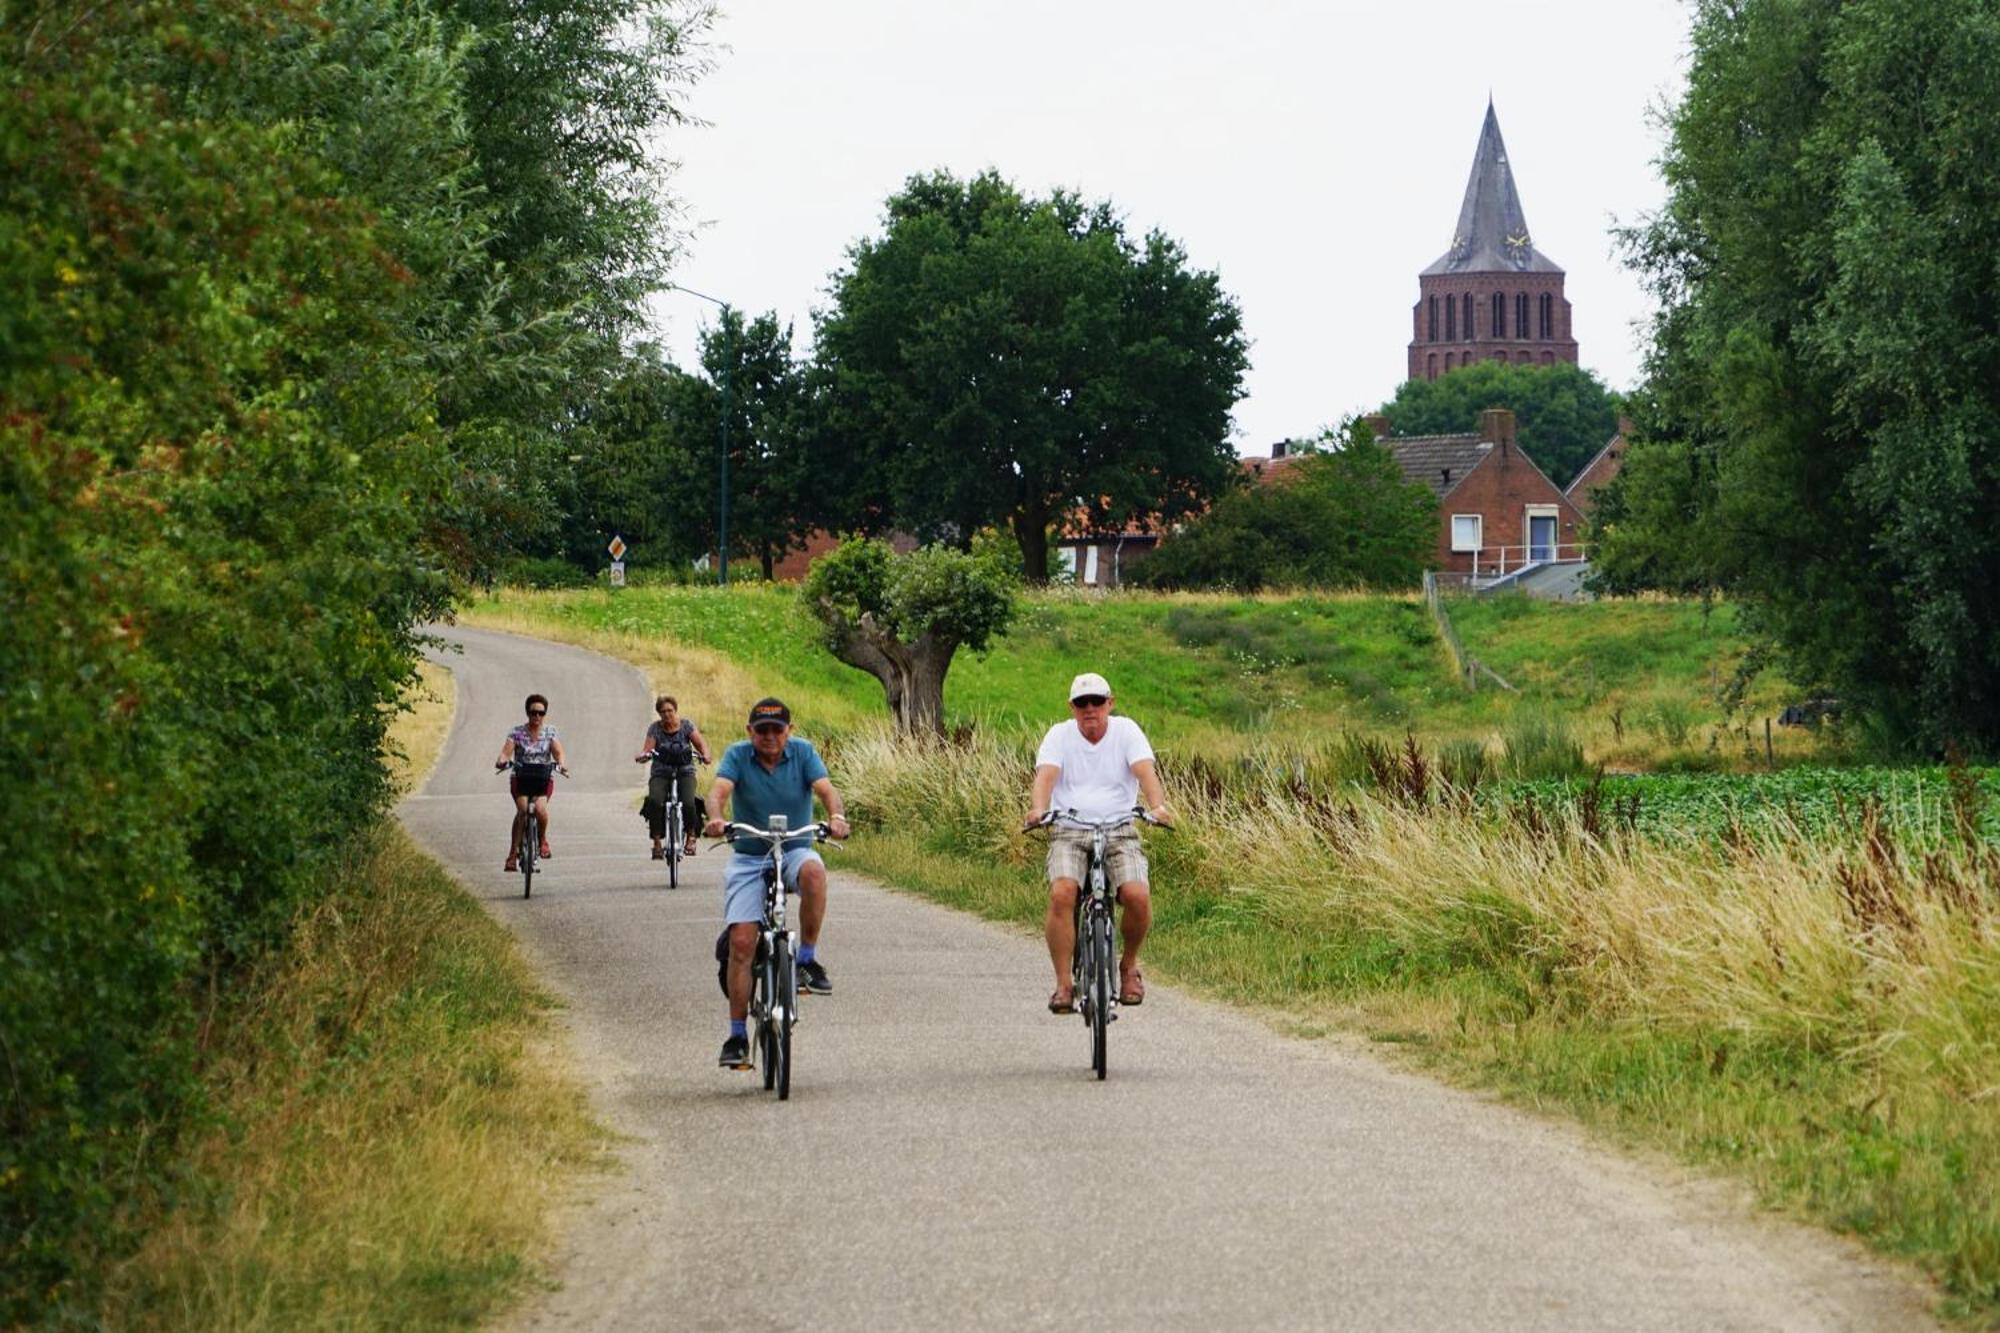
(533, 742)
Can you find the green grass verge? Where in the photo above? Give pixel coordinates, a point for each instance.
(391, 1126)
(1903, 1163)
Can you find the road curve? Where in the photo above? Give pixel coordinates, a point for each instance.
(946, 1160)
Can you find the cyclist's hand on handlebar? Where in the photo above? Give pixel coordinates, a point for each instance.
(642, 758)
(1037, 819)
(1161, 816)
(713, 828)
(837, 825)
(562, 770)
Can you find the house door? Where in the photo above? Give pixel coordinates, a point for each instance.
(1541, 536)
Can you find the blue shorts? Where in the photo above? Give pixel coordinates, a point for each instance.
(743, 882)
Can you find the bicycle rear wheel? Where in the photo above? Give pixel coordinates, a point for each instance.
(674, 844)
(1100, 993)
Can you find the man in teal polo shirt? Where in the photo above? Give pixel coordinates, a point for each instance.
(772, 773)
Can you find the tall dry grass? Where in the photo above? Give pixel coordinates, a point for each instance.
(392, 1125)
(1821, 1012)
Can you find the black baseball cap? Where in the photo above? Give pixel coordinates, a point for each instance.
(769, 710)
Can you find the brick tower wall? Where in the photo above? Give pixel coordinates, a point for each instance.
(1452, 344)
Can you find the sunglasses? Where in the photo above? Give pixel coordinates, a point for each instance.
(538, 712)
(1088, 701)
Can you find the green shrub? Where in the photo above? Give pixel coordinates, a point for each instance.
(543, 572)
(1541, 745)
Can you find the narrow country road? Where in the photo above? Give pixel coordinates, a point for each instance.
(947, 1162)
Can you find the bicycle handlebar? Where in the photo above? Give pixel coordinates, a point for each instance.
(820, 832)
(518, 762)
(1137, 812)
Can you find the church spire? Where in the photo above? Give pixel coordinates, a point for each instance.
(1492, 233)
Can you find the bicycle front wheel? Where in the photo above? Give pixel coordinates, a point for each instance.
(531, 841)
(1100, 993)
(674, 844)
(784, 970)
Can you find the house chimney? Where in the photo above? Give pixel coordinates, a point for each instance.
(1378, 423)
(1496, 426)
(1278, 449)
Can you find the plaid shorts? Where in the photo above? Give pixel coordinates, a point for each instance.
(1069, 856)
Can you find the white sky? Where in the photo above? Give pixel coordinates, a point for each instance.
(1314, 155)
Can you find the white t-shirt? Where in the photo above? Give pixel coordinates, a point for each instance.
(1097, 780)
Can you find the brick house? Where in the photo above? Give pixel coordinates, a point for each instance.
(1492, 296)
(1599, 471)
(1497, 511)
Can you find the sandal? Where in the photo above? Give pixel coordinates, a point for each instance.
(1134, 992)
(659, 853)
(545, 852)
(513, 864)
(1058, 1005)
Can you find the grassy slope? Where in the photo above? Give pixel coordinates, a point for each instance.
(392, 1124)
(1209, 673)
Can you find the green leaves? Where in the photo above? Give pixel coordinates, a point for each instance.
(1826, 372)
(1564, 414)
(1339, 519)
(996, 359)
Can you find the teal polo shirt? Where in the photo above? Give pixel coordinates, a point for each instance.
(784, 790)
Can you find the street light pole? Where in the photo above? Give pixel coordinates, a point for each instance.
(728, 375)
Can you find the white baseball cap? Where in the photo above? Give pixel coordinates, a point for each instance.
(1087, 684)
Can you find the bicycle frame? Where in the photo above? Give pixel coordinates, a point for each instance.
(774, 991)
(529, 849)
(1094, 925)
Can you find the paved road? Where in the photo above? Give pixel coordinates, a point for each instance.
(946, 1160)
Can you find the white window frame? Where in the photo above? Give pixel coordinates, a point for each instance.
(1529, 515)
(1090, 565)
(1478, 532)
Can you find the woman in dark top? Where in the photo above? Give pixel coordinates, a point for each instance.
(673, 743)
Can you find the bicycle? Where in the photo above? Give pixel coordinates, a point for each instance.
(534, 776)
(1093, 960)
(676, 847)
(774, 990)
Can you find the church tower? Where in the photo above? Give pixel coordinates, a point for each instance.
(1492, 296)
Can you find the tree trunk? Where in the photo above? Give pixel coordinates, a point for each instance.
(770, 562)
(1031, 531)
(912, 674)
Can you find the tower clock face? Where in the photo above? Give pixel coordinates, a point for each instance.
(1519, 250)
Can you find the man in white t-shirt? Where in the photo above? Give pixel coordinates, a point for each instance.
(1095, 765)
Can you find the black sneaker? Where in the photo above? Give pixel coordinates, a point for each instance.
(735, 1053)
(812, 977)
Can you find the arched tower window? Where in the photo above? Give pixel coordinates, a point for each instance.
(1447, 360)
(1521, 315)
(1450, 322)
(1431, 331)
(1431, 366)
(1548, 316)
(1465, 303)
(1499, 316)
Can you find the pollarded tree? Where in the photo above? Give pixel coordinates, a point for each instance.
(902, 618)
(993, 359)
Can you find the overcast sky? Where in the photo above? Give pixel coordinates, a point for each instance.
(1313, 155)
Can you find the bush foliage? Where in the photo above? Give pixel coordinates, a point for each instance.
(246, 254)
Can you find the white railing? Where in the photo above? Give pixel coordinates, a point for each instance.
(1497, 562)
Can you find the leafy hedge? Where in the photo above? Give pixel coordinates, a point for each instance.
(214, 449)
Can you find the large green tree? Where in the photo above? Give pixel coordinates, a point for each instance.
(1823, 413)
(992, 358)
(1342, 516)
(1563, 414)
